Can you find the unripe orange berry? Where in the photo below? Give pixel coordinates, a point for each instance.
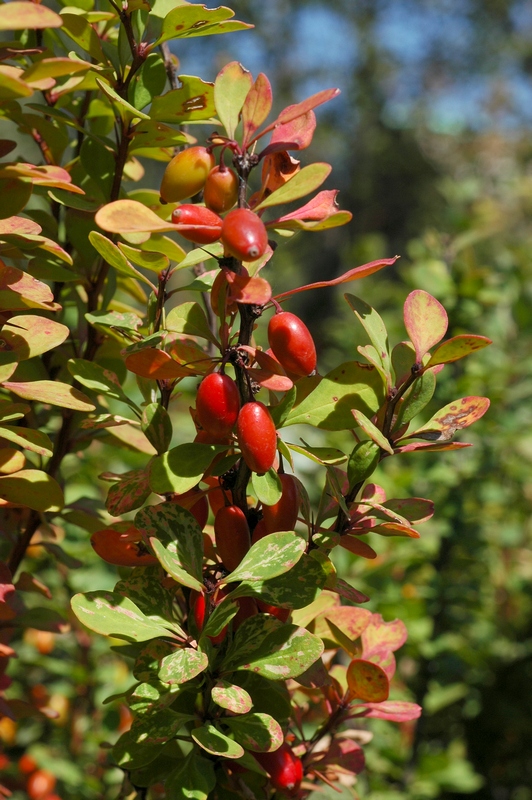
(220, 192)
(186, 173)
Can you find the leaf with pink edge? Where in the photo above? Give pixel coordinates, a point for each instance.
(299, 109)
(257, 731)
(456, 348)
(305, 181)
(243, 289)
(294, 135)
(392, 710)
(18, 290)
(231, 88)
(350, 620)
(322, 206)
(233, 698)
(130, 216)
(19, 15)
(414, 509)
(425, 321)
(451, 418)
(346, 754)
(367, 681)
(394, 529)
(25, 336)
(428, 447)
(351, 275)
(129, 493)
(257, 106)
(53, 392)
(347, 591)
(357, 547)
(19, 225)
(380, 639)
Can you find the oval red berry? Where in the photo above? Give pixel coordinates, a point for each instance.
(217, 404)
(292, 343)
(244, 235)
(257, 437)
(283, 515)
(198, 224)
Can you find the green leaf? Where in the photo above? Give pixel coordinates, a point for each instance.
(155, 262)
(127, 217)
(270, 556)
(363, 461)
(28, 439)
(79, 30)
(111, 614)
(183, 665)
(284, 653)
(248, 639)
(182, 467)
(220, 617)
(425, 321)
(148, 661)
(231, 88)
(329, 405)
(144, 587)
(193, 779)
(303, 182)
(126, 110)
(98, 379)
(190, 318)
(188, 21)
(149, 81)
(32, 488)
(375, 329)
(99, 163)
(15, 193)
(128, 753)
(114, 256)
(157, 426)
(214, 741)
(233, 698)
(281, 411)
(53, 392)
(158, 728)
(372, 431)
(267, 487)
(416, 398)
(151, 133)
(295, 589)
(193, 101)
(126, 321)
(176, 539)
(456, 348)
(320, 455)
(258, 732)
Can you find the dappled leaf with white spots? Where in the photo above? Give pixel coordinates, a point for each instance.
(182, 665)
(233, 698)
(112, 614)
(214, 741)
(258, 732)
(270, 556)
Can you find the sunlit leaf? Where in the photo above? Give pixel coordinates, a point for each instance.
(372, 431)
(305, 181)
(53, 392)
(130, 216)
(55, 68)
(182, 467)
(233, 698)
(257, 732)
(215, 742)
(189, 318)
(257, 106)
(270, 556)
(187, 21)
(112, 614)
(367, 681)
(294, 135)
(267, 487)
(392, 710)
(25, 336)
(20, 290)
(425, 321)
(182, 665)
(451, 418)
(232, 85)
(19, 15)
(456, 348)
(293, 112)
(32, 488)
(248, 290)
(194, 100)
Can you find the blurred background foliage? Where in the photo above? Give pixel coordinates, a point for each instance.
(430, 144)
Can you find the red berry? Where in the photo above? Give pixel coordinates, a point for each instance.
(259, 531)
(292, 343)
(40, 783)
(247, 607)
(284, 768)
(198, 606)
(203, 225)
(195, 501)
(217, 404)
(124, 549)
(283, 515)
(276, 611)
(231, 532)
(27, 764)
(244, 235)
(257, 438)
(221, 189)
(186, 173)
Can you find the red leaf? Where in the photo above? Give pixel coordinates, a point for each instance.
(347, 754)
(243, 289)
(357, 547)
(429, 447)
(321, 206)
(156, 364)
(297, 134)
(269, 380)
(348, 592)
(277, 169)
(293, 112)
(350, 620)
(367, 681)
(257, 106)
(352, 275)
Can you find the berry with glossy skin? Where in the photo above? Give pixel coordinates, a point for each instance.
(244, 235)
(40, 784)
(259, 531)
(217, 404)
(186, 173)
(284, 768)
(292, 344)
(257, 438)
(124, 549)
(231, 532)
(220, 192)
(283, 515)
(276, 611)
(203, 225)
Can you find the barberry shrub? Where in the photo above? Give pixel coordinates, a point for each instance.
(251, 657)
